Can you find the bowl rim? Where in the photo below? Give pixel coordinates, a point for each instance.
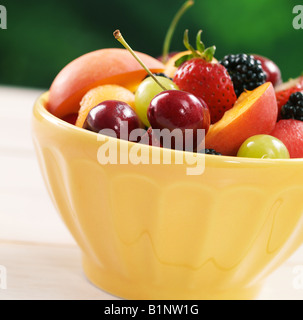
(40, 108)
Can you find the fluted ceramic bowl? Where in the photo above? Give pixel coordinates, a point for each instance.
(153, 231)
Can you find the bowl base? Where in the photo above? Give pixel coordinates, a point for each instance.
(126, 289)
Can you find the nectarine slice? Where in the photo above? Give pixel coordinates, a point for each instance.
(105, 66)
(255, 112)
(97, 95)
(170, 68)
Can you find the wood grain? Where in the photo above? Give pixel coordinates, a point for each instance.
(45, 272)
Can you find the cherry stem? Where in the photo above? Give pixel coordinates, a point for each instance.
(172, 28)
(119, 37)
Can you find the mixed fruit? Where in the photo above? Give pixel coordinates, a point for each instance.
(240, 101)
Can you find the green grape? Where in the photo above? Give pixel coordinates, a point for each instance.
(146, 91)
(263, 146)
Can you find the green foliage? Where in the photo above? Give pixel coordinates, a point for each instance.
(43, 36)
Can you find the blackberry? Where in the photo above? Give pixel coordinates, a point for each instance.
(210, 151)
(245, 71)
(293, 109)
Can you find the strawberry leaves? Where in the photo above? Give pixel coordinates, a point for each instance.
(206, 54)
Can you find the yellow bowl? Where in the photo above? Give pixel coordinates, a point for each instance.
(155, 232)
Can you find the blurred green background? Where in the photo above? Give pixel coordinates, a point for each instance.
(43, 36)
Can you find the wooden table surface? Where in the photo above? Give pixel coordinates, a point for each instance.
(37, 252)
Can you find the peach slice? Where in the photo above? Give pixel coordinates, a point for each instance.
(97, 95)
(255, 112)
(170, 68)
(105, 66)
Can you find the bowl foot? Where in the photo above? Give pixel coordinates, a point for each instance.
(124, 288)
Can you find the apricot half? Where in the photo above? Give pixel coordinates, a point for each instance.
(105, 66)
(170, 68)
(255, 112)
(97, 95)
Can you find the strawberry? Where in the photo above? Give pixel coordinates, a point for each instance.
(290, 132)
(200, 74)
(284, 91)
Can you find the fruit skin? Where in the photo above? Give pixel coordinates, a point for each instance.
(273, 73)
(115, 115)
(263, 146)
(255, 112)
(175, 109)
(169, 56)
(209, 81)
(71, 118)
(101, 93)
(150, 138)
(170, 68)
(245, 71)
(293, 109)
(146, 91)
(105, 66)
(290, 132)
(284, 91)
(161, 74)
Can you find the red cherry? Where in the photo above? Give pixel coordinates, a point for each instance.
(150, 138)
(175, 109)
(273, 73)
(115, 115)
